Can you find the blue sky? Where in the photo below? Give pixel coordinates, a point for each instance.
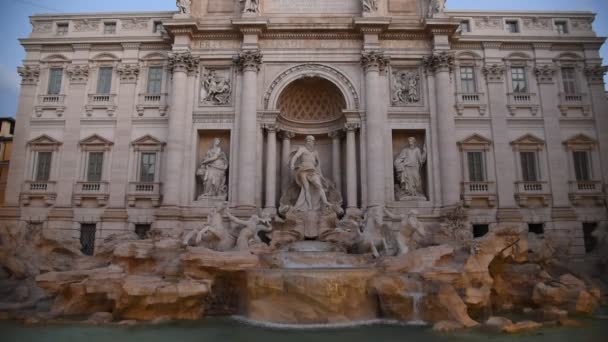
(14, 24)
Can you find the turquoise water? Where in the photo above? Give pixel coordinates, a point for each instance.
(230, 330)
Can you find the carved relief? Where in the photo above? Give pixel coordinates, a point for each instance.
(494, 72)
(251, 6)
(42, 27)
(30, 74)
(439, 62)
(128, 72)
(216, 87)
(436, 7)
(135, 24)
(86, 25)
(183, 6)
(374, 60)
(595, 73)
(545, 73)
(488, 22)
(249, 60)
(406, 87)
(183, 61)
(78, 73)
(369, 6)
(536, 23)
(582, 24)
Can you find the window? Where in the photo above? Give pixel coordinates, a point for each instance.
(95, 167)
(529, 166)
(512, 26)
(561, 27)
(142, 230)
(158, 27)
(109, 28)
(147, 171)
(467, 78)
(465, 26)
(582, 165)
(518, 77)
(104, 80)
(87, 238)
(590, 240)
(155, 79)
(476, 167)
(480, 230)
(536, 228)
(569, 79)
(43, 166)
(62, 29)
(55, 77)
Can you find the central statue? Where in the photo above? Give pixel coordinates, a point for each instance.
(306, 168)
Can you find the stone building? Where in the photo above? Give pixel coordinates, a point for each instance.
(119, 114)
(7, 127)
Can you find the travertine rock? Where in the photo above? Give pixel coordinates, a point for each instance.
(522, 327)
(419, 260)
(447, 326)
(497, 323)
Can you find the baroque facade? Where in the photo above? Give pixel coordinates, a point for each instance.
(147, 120)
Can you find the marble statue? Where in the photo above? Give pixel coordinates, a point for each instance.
(371, 234)
(214, 234)
(251, 6)
(183, 6)
(435, 7)
(411, 231)
(306, 167)
(214, 89)
(406, 87)
(408, 166)
(212, 172)
(249, 234)
(369, 6)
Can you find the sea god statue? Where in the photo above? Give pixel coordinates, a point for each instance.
(212, 173)
(306, 167)
(408, 165)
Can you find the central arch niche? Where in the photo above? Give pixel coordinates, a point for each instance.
(311, 105)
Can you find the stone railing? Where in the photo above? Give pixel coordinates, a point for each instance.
(51, 100)
(144, 191)
(91, 187)
(532, 187)
(98, 191)
(572, 98)
(41, 190)
(527, 193)
(39, 187)
(475, 192)
(479, 187)
(102, 99)
(521, 98)
(585, 186)
(470, 98)
(152, 101)
(587, 191)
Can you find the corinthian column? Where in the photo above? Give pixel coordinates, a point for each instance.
(336, 159)
(271, 168)
(285, 151)
(373, 62)
(440, 65)
(351, 166)
(180, 64)
(248, 63)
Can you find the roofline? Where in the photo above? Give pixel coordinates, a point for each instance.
(537, 12)
(102, 14)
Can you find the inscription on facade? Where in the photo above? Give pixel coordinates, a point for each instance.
(312, 6)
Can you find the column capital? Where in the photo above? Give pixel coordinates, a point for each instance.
(249, 60)
(183, 61)
(439, 62)
(545, 73)
(287, 135)
(374, 60)
(595, 74)
(271, 127)
(495, 73)
(352, 126)
(78, 73)
(335, 134)
(128, 72)
(30, 74)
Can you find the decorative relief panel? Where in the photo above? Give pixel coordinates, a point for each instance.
(135, 24)
(216, 87)
(128, 72)
(86, 25)
(42, 26)
(536, 23)
(494, 73)
(545, 73)
(405, 87)
(312, 6)
(79, 74)
(582, 24)
(30, 74)
(488, 22)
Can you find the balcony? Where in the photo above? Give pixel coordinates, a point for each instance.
(152, 101)
(50, 103)
(568, 102)
(105, 102)
(42, 190)
(471, 100)
(533, 194)
(586, 192)
(479, 194)
(518, 101)
(97, 191)
(144, 191)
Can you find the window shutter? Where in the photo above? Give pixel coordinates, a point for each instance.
(55, 76)
(155, 78)
(95, 167)
(104, 81)
(581, 166)
(148, 167)
(528, 166)
(43, 167)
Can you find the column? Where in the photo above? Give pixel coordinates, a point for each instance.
(351, 166)
(286, 151)
(180, 64)
(336, 159)
(271, 168)
(249, 64)
(440, 64)
(599, 103)
(373, 62)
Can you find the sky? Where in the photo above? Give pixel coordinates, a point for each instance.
(14, 24)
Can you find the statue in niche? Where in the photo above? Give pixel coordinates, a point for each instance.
(406, 87)
(306, 167)
(214, 89)
(435, 7)
(411, 231)
(369, 6)
(408, 166)
(183, 6)
(250, 233)
(212, 173)
(251, 6)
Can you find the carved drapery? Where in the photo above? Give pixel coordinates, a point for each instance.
(78, 74)
(545, 73)
(128, 72)
(183, 61)
(30, 74)
(495, 73)
(443, 61)
(595, 73)
(374, 60)
(249, 60)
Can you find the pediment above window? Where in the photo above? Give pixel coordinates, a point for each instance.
(148, 143)
(95, 142)
(580, 142)
(475, 142)
(44, 142)
(528, 142)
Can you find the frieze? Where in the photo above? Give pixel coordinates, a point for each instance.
(128, 72)
(312, 6)
(309, 44)
(536, 23)
(42, 26)
(78, 74)
(86, 25)
(30, 74)
(218, 118)
(135, 24)
(582, 24)
(488, 22)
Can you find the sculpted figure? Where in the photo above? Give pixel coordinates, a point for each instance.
(435, 7)
(405, 87)
(183, 6)
(372, 237)
(214, 235)
(212, 172)
(408, 165)
(370, 6)
(216, 90)
(250, 232)
(411, 232)
(251, 6)
(306, 167)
